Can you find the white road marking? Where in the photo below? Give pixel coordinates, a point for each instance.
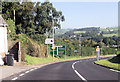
(72, 66)
(15, 78)
(77, 72)
(35, 68)
(32, 69)
(27, 71)
(80, 76)
(22, 74)
(114, 70)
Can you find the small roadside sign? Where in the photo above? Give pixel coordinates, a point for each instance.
(97, 49)
(53, 46)
(49, 41)
(98, 53)
(75, 50)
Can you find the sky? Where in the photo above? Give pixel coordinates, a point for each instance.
(87, 14)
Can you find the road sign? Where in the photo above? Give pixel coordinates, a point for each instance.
(59, 50)
(97, 49)
(98, 53)
(49, 41)
(75, 50)
(53, 46)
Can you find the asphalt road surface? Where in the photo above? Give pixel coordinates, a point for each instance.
(83, 69)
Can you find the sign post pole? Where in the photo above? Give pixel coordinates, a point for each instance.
(65, 52)
(98, 53)
(53, 39)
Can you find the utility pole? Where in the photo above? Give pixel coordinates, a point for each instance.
(47, 44)
(14, 15)
(0, 7)
(53, 39)
(80, 45)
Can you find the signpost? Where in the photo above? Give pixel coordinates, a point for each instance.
(58, 50)
(98, 53)
(49, 41)
(75, 51)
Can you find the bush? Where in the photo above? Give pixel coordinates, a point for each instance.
(11, 33)
(39, 38)
(31, 47)
(88, 51)
(107, 51)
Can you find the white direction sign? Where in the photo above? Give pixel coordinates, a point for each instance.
(49, 41)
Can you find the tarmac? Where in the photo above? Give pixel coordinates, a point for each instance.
(6, 71)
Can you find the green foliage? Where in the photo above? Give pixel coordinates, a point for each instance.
(39, 38)
(35, 60)
(93, 34)
(11, 29)
(88, 51)
(118, 52)
(107, 51)
(109, 35)
(85, 50)
(31, 47)
(112, 63)
(29, 60)
(115, 59)
(32, 18)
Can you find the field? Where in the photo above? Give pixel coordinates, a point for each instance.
(109, 35)
(106, 29)
(76, 32)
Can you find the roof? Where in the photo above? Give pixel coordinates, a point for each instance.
(2, 22)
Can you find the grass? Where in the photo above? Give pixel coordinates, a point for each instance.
(109, 35)
(112, 62)
(29, 60)
(76, 32)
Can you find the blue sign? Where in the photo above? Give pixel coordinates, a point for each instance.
(75, 50)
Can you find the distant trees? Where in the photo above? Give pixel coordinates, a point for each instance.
(92, 37)
(88, 47)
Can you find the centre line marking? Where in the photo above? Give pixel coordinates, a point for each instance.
(78, 72)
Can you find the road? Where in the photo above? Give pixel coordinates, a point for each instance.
(83, 69)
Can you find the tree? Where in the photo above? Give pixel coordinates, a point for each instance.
(33, 18)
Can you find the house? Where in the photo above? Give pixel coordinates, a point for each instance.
(3, 37)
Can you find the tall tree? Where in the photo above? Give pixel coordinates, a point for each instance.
(33, 18)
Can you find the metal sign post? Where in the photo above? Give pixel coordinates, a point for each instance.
(98, 53)
(53, 39)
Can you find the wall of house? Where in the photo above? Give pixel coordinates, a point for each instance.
(3, 41)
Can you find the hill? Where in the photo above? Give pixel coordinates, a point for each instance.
(61, 31)
(88, 32)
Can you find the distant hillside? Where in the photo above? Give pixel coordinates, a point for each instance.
(61, 31)
(87, 32)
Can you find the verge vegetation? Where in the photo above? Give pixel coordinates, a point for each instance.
(113, 63)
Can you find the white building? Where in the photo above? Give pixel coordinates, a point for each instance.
(3, 37)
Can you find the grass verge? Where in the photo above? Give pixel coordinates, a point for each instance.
(29, 60)
(113, 63)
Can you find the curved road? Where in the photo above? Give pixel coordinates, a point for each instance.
(83, 69)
